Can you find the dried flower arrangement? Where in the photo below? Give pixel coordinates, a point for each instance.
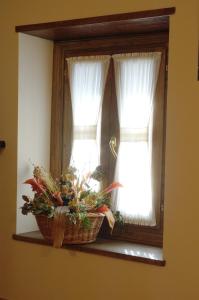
(70, 200)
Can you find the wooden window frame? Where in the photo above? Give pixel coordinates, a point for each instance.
(61, 126)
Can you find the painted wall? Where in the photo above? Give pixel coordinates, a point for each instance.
(30, 271)
(34, 116)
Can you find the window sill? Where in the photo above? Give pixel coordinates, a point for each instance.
(105, 247)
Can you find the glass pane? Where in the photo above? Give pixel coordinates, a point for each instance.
(85, 155)
(134, 199)
(87, 80)
(87, 84)
(136, 77)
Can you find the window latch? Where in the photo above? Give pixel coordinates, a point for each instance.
(113, 145)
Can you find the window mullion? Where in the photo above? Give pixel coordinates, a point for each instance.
(109, 125)
(114, 124)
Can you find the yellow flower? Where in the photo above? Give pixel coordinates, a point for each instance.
(90, 200)
(72, 203)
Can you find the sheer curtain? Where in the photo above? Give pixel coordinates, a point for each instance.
(136, 76)
(87, 77)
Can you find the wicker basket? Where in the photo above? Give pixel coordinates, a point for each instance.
(74, 233)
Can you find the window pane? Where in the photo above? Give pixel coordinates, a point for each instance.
(87, 79)
(85, 155)
(136, 77)
(133, 167)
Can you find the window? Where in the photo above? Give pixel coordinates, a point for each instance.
(115, 87)
(87, 77)
(135, 77)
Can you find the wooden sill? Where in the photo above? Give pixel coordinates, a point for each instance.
(117, 249)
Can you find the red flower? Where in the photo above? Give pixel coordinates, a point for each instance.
(37, 185)
(112, 186)
(102, 208)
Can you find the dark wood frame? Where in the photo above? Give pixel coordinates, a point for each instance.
(132, 22)
(61, 115)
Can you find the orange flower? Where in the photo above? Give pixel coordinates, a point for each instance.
(112, 186)
(102, 208)
(36, 184)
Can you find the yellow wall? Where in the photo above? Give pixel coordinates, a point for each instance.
(30, 271)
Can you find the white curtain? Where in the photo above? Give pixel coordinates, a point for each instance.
(87, 77)
(136, 76)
